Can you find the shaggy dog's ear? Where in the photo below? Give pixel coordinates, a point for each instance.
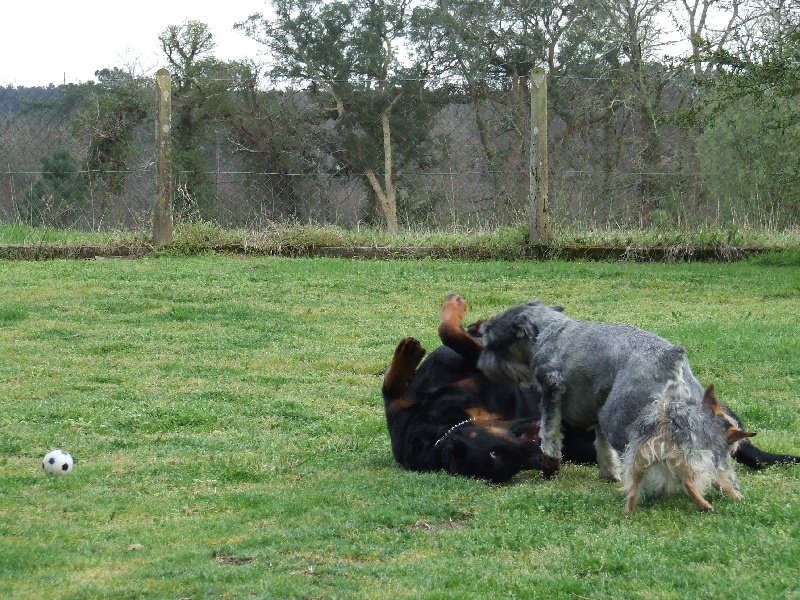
(525, 328)
(710, 401)
(732, 432)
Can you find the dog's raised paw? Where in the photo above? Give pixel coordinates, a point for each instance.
(410, 349)
(455, 304)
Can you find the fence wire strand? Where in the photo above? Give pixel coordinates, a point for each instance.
(82, 156)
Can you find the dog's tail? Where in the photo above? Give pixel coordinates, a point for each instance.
(758, 459)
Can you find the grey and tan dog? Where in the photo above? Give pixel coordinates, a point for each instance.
(635, 388)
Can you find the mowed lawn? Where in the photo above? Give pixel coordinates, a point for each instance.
(227, 426)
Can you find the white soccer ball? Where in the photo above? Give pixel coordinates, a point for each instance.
(57, 462)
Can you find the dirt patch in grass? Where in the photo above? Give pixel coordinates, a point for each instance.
(236, 561)
(448, 525)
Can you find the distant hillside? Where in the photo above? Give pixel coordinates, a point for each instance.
(13, 99)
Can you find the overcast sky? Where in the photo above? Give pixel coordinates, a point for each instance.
(66, 42)
(55, 42)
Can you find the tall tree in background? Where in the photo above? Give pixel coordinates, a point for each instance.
(187, 47)
(348, 51)
(634, 26)
(763, 60)
(492, 45)
(706, 27)
(121, 104)
(271, 134)
(754, 113)
(201, 102)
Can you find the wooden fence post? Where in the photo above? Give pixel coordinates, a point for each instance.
(162, 219)
(539, 229)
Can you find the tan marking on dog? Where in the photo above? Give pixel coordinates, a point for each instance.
(451, 329)
(734, 434)
(468, 383)
(453, 310)
(498, 431)
(401, 403)
(481, 415)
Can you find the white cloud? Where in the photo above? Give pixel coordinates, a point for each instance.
(53, 42)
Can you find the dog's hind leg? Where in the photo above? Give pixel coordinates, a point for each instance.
(726, 484)
(694, 493)
(406, 359)
(633, 480)
(636, 462)
(606, 456)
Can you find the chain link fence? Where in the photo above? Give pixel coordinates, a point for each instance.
(247, 156)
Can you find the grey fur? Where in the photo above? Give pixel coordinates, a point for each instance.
(619, 379)
(676, 442)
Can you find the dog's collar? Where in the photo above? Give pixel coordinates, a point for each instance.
(451, 430)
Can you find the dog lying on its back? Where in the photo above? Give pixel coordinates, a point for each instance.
(447, 415)
(443, 413)
(627, 383)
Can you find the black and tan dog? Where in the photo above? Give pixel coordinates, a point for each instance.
(442, 416)
(447, 415)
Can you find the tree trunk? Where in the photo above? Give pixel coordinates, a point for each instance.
(386, 193)
(387, 199)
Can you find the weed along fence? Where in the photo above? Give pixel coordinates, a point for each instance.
(435, 154)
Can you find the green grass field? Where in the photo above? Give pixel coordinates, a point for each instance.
(227, 425)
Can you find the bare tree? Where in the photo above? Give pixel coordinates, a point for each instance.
(635, 27)
(493, 45)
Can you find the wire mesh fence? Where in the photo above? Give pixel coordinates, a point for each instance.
(248, 156)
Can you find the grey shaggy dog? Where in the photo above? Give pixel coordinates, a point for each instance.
(676, 442)
(635, 388)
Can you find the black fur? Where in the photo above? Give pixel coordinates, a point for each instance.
(755, 458)
(423, 404)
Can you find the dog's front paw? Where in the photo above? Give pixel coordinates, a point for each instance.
(611, 477)
(454, 307)
(550, 467)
